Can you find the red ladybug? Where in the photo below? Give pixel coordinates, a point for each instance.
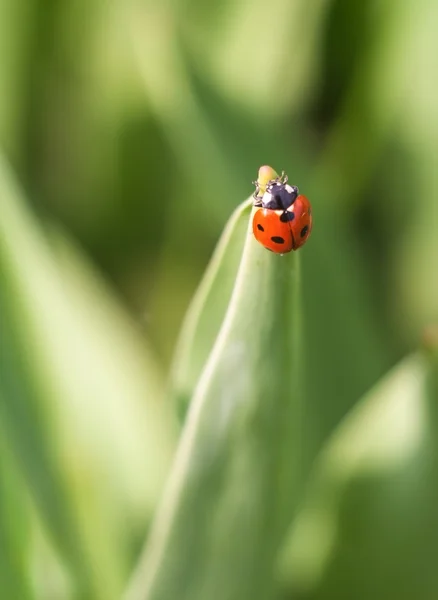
(284, 220)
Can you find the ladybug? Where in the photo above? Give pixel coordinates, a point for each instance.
(284, 220)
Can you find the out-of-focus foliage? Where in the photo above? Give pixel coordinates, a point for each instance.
(367, 527)
(80, 403)
(129, 132)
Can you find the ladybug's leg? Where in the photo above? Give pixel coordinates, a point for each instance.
(257, 198)
(282, 179)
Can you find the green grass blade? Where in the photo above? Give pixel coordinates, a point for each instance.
(365, 529)
(207, 310)
(235, 478)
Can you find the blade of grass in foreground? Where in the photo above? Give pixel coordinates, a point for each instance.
(234, 482)
(209, 305)
(207, 310)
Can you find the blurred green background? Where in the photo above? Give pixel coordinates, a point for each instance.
(129, 132)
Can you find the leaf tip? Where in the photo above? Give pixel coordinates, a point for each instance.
(266, 174)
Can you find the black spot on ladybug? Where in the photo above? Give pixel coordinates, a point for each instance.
(277, 239)
(287, 216)
(260, 228)
(304, 230)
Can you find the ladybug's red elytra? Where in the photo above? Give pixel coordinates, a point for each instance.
(284, 220)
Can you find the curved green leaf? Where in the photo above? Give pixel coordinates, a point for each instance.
(209, 305)
(366, 527)
(207, 310)
(234, 482)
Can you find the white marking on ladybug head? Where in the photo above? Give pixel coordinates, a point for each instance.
(289, 189)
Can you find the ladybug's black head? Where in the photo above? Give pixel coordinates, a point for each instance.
(279, 196)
